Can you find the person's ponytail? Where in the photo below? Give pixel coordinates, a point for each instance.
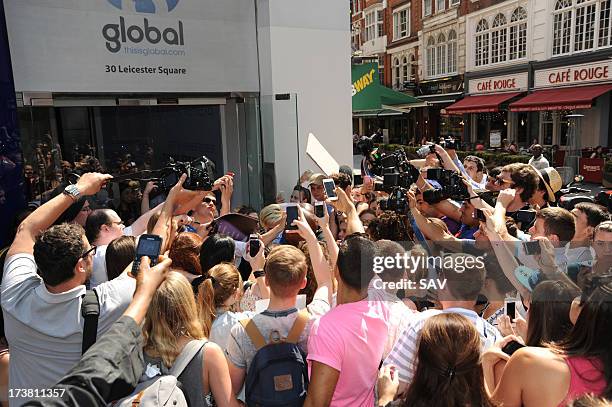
(206, 304)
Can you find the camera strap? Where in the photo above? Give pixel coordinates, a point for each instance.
(90, 310)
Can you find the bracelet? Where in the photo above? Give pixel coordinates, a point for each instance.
(259, 273)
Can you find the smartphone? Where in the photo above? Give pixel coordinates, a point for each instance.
(480, 215)
(510, 309)
(526, 217)
(148, 245)
(532, 248)
(512, 347)
(292, 214)
(330, 189)
(319, 209)
(254, 245)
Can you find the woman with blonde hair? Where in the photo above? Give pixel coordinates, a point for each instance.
(171, 323)
(217, 295)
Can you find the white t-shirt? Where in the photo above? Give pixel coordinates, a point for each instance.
(99, 274)
(539, 163)
(45, 330)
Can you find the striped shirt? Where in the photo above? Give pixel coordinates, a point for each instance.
(404, 354)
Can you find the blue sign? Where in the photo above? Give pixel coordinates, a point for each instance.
(144, 6)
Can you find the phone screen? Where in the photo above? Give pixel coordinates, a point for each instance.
(292, 214)
(330, 188)
(511, 309)
(319, 209)
(532, 248)
(148, 245)
(480, 215)
(253, 245)
(512, 347)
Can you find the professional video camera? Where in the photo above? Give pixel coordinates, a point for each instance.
(396, 201)
(396, 170)
(452, 184)
(200, 174)
(449, 143)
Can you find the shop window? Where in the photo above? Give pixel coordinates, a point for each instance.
(547, 125)
(482, 43)
(580, 25)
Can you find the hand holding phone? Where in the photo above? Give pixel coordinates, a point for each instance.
(320, 209)
(532, 248)
(330, 189)
(512, 347)
(510, 309)
(254, 245)
(292, 214)
(149, 246)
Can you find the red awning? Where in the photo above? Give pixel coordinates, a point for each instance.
(570, 98)
(481, 103)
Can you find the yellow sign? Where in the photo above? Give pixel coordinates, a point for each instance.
(363, 82)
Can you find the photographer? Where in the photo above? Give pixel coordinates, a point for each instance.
(472, 167)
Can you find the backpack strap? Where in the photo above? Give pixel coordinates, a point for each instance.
(298, 326)
(90, 310)
(187, 354)
(254, 334)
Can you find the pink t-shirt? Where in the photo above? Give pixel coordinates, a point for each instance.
(351, 339)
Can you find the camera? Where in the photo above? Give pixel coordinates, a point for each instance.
(396, 170)
(426, 150)
(395, 202)
(200, 175)
(452, 186)
(449, 144)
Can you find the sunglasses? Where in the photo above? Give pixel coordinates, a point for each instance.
(209, 200)
(500, 181)
(92, 251)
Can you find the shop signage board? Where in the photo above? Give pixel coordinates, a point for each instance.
(506, 83)
(441, 87)
(574, 75)
(132, 46)
(592, 169)
(495, 138)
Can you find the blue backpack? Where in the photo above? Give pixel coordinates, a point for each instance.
(278, 375)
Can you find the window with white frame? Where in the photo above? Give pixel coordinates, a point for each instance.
(482, 43)
(431, 57)
(374, 24)
(499, 34)
(502, 41)
(380, 22)
(442, 54)
(580, 25)
(405, 69)
(452, 52)
(455, 2)
(427, 7)
(440, 5)
(413, 68)
(401, 24)
(397, 71)
(518, 34)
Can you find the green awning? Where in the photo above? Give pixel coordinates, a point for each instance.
(370, 95)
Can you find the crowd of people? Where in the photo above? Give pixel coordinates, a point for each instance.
(386, 297)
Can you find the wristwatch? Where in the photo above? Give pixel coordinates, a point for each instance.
(259, 273)
(73, 192)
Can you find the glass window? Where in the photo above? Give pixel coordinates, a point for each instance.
(482, 43)
(380, 24)
(498, 39)
(396, 71)
(441, 55)
(401, 24)
(440, 5)
(452, 52)
(580, 25)
(518, 34)
(431, 57)
(427, 6)
(405, 68)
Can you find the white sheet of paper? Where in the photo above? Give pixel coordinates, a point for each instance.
(321, 156)
(262, 305)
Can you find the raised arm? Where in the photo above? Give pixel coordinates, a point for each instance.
(332, 245)
(344, 204)
(227, 189)
(44, 216)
